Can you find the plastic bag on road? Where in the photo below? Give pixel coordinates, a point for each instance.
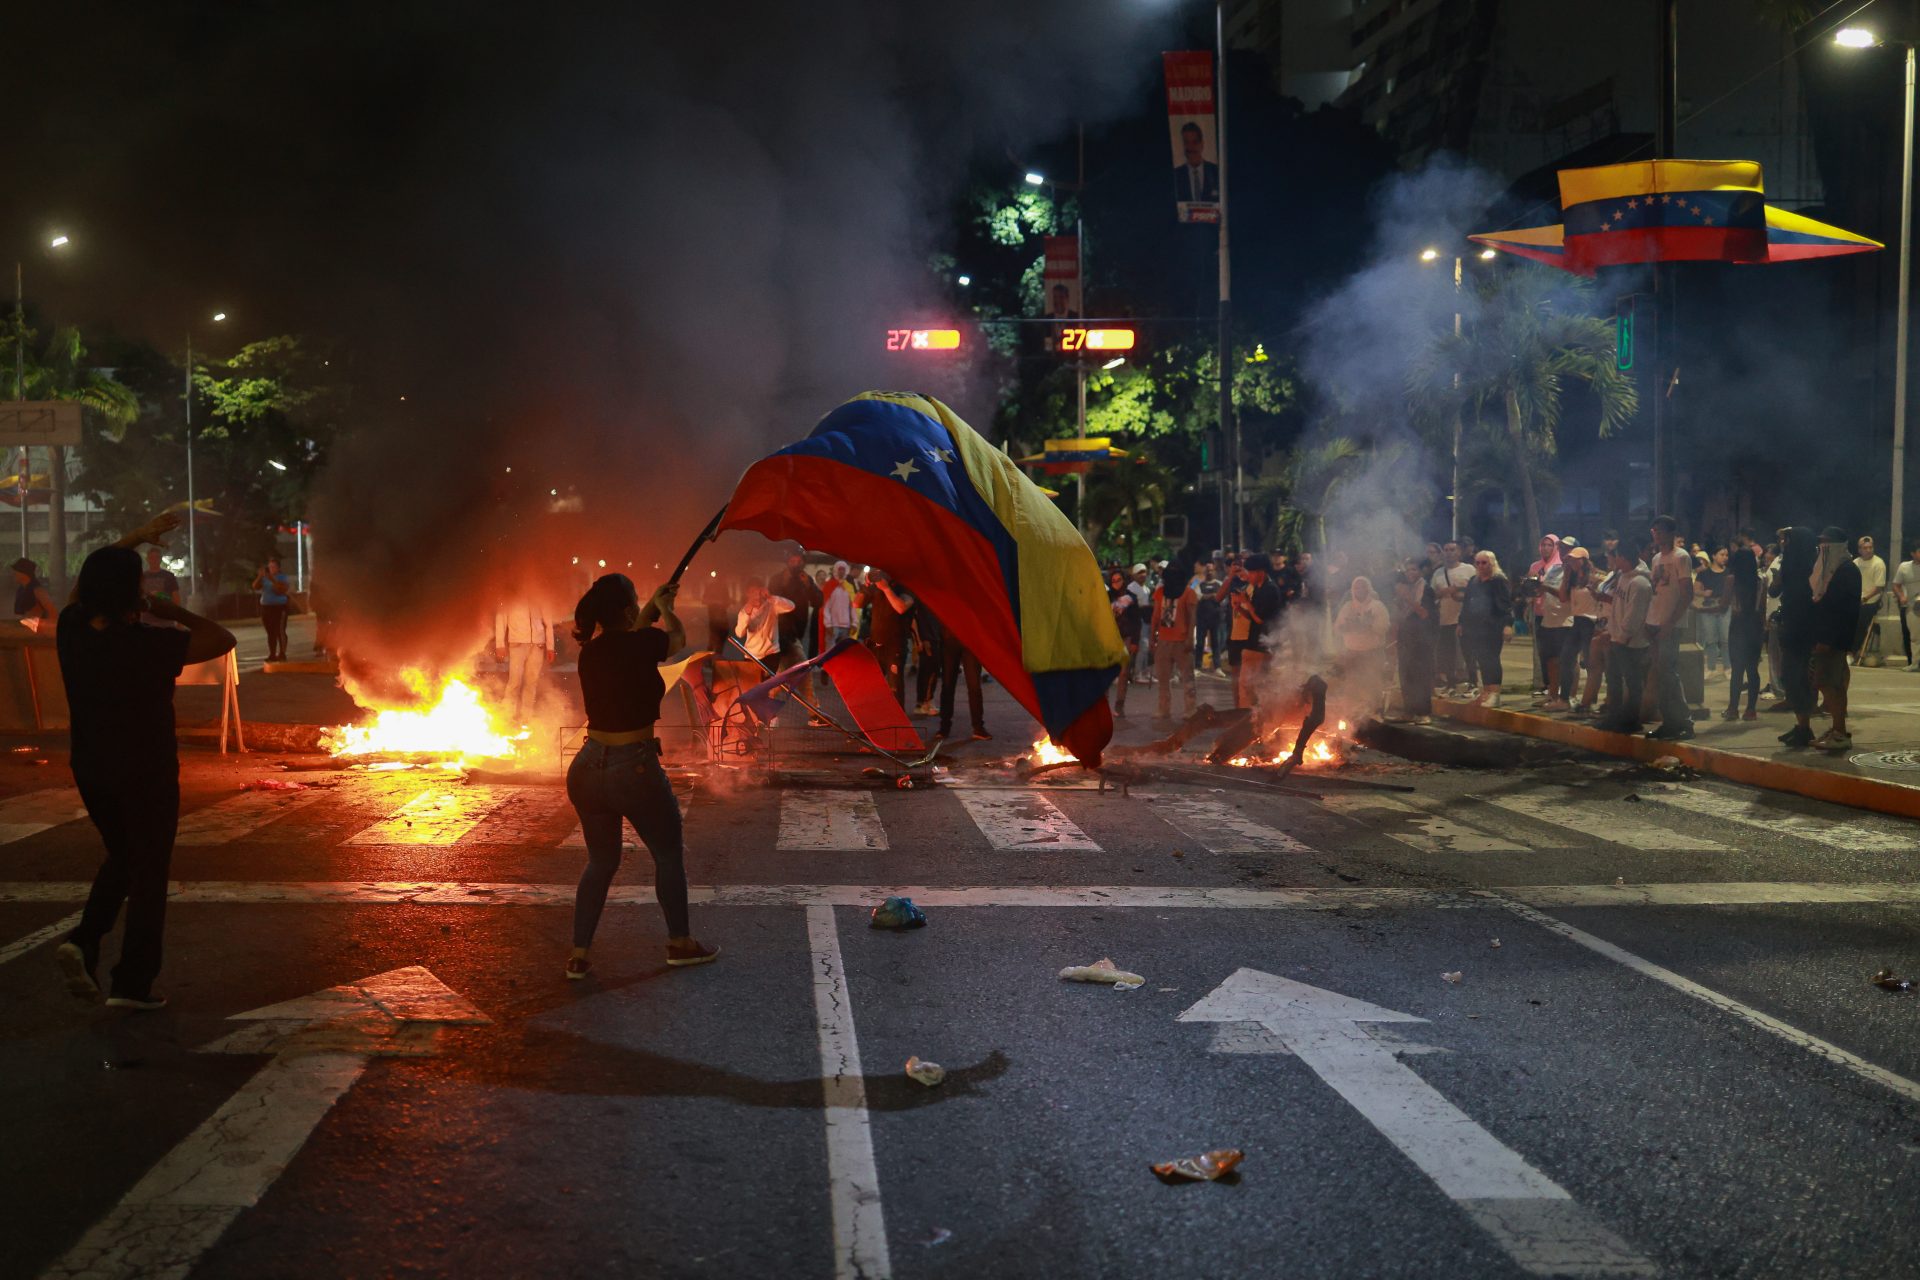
(1104, 972)
(273, 784)
(898, 913)
(1210, 1167)
(927, 1073)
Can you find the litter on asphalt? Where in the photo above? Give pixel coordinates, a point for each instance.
(1210, 1167)
(1887, 982)
(927, 1073)
(898, 913)
(1453, 977)
(1104, 972)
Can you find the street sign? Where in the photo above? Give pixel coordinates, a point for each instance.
(1526, 1212)
(39, 423)
(1077, 339)
(923, 339)
(321, 1045)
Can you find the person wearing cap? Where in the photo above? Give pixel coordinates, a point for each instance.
(1576, 596)
(1142, 592)
(1836, 613)
(32, 603)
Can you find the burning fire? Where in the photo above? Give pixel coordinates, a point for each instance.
(450, 722)
(1045, 752)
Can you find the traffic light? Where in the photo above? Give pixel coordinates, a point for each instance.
(1210, 450)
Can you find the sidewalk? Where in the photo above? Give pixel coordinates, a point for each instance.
(1880, 772)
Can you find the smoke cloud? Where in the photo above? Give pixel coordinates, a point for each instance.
(699, 229)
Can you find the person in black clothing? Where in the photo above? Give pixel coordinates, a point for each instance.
(1130, 618)
(1836, 612)
(1794, 623)
(1260, 605)
(795, 584)
(617, 776)
(119, 676)
(1746, 617)
(954, 658)
(1486, 613)
(1418, 632)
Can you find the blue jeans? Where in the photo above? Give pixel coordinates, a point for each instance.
(1711, 629)
(608, 785)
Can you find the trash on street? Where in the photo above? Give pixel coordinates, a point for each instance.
(927, 1073)
(898, 913)
(1453, 977)
(1210, 1167)
(1886, 981)
(1104, 972)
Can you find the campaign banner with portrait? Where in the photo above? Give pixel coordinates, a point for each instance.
(1192, 124)
(1060, 278)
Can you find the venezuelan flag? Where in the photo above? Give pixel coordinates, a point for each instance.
(1664, 211)
(899, 481)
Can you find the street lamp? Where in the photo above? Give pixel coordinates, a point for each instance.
(1114, 363)
(1036, 179)
(1861, 38)
(57, 242)
(276, 464)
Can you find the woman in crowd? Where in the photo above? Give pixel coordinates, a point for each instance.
(1710, 607)
(1126, 613)
(1486, 621)
(1361, 626)
(617, 777)
(1746, 616)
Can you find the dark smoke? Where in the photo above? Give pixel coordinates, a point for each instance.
(700, 225)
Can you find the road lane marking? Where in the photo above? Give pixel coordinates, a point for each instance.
(39, 937)
(321, 1045)
(1023, 820)
(1529, 1214)
(1833, 1053)
(479, 893)
(1851, 837)
(36, 811)
(439, 816)
(1218, 827)
(835, 820)
(859, 1227)
(1601, 819)
(236, 816)
(1432, 833)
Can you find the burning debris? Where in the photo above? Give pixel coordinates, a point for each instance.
(449, 722)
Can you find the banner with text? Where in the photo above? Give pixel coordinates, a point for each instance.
(1191, 122)
(1060, 278)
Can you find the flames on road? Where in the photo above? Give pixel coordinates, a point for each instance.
(448, 719)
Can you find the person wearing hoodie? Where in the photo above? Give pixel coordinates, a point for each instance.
(1793, 587)
(1836, 613)
(1628, 597)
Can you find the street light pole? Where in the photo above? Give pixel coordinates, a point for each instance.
(193, 561)
(1900, 321)
(1229, 421)
(1455, 504)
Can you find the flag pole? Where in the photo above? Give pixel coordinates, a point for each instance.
(707, 535)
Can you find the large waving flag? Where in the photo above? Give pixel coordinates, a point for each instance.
(899, 481)
(1672, 211)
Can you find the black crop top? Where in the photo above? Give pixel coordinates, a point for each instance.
(620, 679)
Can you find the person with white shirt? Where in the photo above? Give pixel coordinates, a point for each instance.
(1449, 584)
(1906, 593)
(757, 629)
(1873, 585)
(521, 636)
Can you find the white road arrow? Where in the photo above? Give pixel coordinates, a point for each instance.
(320, 1045)
(1531, 1217)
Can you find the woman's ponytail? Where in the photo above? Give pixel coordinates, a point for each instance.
(605, 603)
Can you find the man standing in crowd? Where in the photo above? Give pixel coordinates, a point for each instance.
(1873, 585)
(892, 608)
(1260, 606)
(1906, 594)
(522, 635)
(1174, 605)
(1142, 592)
(1449, 589)
(158, 582)
(1837, 609)
(1672, 574)
(1629, 594)
(1206, 620)
(792, 583)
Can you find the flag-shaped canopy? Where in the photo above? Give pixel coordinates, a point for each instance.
(1074, 456)
(899, 481)
(1671, 211)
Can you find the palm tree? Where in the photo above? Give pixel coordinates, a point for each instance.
(1530, 333)
(62, 373)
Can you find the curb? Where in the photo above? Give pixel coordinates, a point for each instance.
(1848, 789)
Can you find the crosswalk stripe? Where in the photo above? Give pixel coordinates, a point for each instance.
(36, 811)
(1431, 832)
(1218, 827)
(435, 817)
(820, 819)
(1852, 837)
(240, 815)
(1601, 819)
(1023, 820)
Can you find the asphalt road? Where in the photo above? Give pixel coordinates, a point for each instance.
(1662, 1054)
